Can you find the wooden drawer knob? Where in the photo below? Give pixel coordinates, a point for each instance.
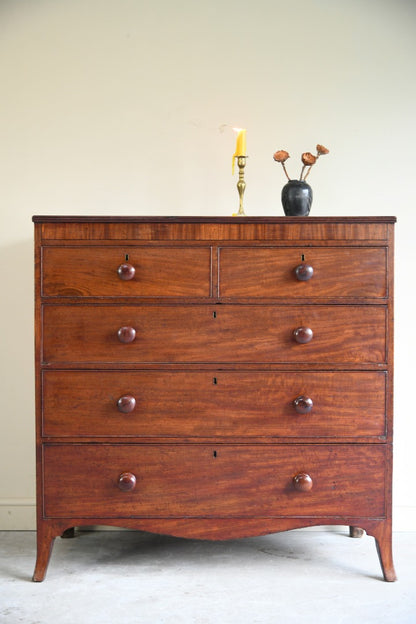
(126, 271)
(303, 335)
(126, 334)
(302, 482)
(304, 272)
(303, 404)
(126, 404)
(126, 482)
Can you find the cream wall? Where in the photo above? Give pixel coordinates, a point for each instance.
(126, 107)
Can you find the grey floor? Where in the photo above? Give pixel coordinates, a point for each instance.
(123, 577)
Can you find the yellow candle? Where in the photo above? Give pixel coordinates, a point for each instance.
(240, 148)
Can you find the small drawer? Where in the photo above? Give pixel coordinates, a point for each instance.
(198, 480)
(294, 272)
(126, 271)
(195, 404)
(214, 334)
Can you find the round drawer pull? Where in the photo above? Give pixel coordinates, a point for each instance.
(303, 335)
(303, 404)
(126, 271)
(126, 482)
(302, 482)
(126, 334)
(304, 272)
(126, 404)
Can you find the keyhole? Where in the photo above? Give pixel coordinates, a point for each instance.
(214, 454)
(214, 381)
(303, 257)
(127, 257)
(214, 314)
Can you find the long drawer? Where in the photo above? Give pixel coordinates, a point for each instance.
(222, 333)
(204, 404)
(270, 272)
(126, 271)
(219, 481)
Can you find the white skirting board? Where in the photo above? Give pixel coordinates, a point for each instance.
(19, 514)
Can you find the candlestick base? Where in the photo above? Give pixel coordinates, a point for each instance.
(241, 184)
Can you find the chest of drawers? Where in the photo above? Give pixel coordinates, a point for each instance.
(214, 377)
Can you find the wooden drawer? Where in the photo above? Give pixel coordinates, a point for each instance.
(158, 271)
(206, 404)
(229, 333)
(269, 272)
(221, 481)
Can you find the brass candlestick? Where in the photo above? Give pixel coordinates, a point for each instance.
(241, 185)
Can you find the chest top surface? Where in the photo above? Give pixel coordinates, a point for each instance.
(91, 228)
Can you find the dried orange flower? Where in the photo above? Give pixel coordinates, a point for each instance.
(308, 159)
(281, 156)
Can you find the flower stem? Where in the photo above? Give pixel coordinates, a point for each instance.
(284, 169)
(301, 173)
(307, 173)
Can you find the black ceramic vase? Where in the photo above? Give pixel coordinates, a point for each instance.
(297, 198)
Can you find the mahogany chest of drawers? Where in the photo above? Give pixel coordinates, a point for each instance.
(214, 377)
